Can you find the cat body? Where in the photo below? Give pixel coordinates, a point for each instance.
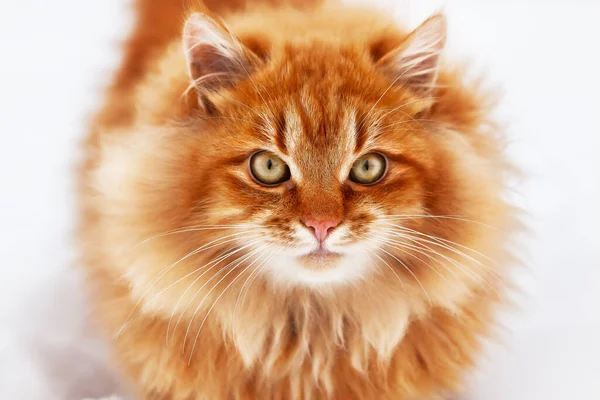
(296, 201)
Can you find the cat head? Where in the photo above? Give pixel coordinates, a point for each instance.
(306, 156)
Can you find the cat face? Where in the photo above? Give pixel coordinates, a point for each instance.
(314, 158)
(319, 174)
(313, 164)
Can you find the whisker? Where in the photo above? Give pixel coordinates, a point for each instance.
(388, 265)
(197, 228)
(472, 274)
(265, 264)
(254, 273)
(214, 262)
(232, 252)
(412, 273)
(244, 258)
(437, 238)
(421, 250)
(389, 241)
(411, 233)
(170, 267)
(451, 217)
(221, 295)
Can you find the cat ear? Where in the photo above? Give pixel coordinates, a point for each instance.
(215, 58)
(415, 62)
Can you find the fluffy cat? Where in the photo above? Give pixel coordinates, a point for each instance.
(290, 200)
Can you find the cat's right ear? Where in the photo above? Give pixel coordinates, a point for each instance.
(215, 57)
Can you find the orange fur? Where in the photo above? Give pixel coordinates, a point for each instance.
(165, 174)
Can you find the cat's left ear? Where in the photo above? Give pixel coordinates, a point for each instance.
(415, 62)
(215, 57)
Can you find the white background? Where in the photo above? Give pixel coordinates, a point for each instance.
(55, 55)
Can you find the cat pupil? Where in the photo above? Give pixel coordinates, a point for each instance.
(367, 165)
(269, 164)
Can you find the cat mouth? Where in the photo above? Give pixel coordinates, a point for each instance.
(321, 257)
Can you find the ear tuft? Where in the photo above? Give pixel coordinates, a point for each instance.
(415, 62)
(215, 58)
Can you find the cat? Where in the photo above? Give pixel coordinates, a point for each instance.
(293, 200)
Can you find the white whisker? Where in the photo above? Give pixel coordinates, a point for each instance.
(244, 258)
(450, 242)
(394, 242)
(221, 295)
(474, 276)
(196, 229)
(252, 276)
(163, 272)
(213, 262)
(409, 233)
(412, 273)
(229, 254)
(388, 265)
(450, 217)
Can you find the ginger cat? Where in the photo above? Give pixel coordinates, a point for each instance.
(293, 200)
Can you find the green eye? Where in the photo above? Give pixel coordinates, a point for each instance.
(368, 169)
(268, 169)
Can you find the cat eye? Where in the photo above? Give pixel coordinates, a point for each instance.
(368, 169)
(268, 169)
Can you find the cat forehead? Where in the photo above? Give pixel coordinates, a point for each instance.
(308, 133)
(311, 126)
(325, 104)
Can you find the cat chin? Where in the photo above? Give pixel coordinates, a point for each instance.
(290, 270)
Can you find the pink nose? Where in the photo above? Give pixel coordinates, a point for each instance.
(321, 227)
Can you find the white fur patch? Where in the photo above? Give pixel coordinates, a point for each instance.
(287, 269)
